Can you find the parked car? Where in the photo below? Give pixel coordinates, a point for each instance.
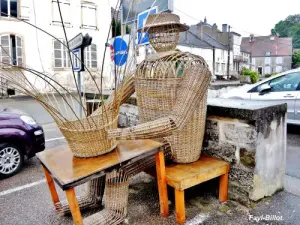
(20, 138)
(281, 88)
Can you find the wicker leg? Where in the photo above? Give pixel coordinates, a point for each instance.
(92, 199)
(116, 201)
(52, 188)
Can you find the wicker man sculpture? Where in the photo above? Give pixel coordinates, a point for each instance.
(171, 88)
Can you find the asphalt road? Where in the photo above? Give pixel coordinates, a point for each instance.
(24, 198)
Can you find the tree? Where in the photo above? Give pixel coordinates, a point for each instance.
(116, 28)
(290, 27)
(296, 59)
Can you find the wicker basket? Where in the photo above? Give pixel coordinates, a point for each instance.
(88, 137)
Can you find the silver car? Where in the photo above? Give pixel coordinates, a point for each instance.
(282, 88)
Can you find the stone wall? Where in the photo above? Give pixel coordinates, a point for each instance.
(251, 136)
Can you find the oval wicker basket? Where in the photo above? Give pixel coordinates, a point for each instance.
(88, 137)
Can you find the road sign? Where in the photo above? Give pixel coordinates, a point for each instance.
(76, 41)
(141, 20)
(120, 51)
(76, 57)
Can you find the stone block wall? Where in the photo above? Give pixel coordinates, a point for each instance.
(251, 136)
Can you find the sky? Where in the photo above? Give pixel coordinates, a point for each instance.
(245, 17)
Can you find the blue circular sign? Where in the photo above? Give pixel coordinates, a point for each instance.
(121, 51)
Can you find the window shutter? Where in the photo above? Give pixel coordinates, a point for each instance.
(89, 16)
(5, 49)
(58, 58)
(65, 11)
(19, 51)
(94, 56)
(25, 9)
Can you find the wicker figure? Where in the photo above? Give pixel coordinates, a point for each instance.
(171, 88)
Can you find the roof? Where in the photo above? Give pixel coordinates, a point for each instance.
(192, 40)
(262, 44)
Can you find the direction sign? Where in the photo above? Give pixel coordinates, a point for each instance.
(76, 57)
(141, 20)
(76, 41)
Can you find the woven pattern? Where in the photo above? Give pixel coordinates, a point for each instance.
(116, 200)
(92, 198)
(171, 94)
(86, 140)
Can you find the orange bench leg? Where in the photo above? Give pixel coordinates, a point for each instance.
(162, 184)
(52, 188)
(179, 206)
(223, 188)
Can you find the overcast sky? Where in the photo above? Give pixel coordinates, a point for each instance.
(245, 17)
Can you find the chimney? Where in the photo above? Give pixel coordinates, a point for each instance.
(200, 31)
(251, 39)
(205, 20)
(224, 27)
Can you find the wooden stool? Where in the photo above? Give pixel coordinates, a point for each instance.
(183, 176)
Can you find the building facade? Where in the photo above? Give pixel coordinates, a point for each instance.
(24, 45)
(269, 54)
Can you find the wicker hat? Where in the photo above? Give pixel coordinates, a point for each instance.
(163, 19)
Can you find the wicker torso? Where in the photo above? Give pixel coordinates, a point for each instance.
(156, 84)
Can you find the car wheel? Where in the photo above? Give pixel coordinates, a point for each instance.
(11, 160)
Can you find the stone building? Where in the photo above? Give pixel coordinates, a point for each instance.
(269, 54)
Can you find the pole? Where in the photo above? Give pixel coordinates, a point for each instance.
(228, 60)
(80, 89)
(214, 62)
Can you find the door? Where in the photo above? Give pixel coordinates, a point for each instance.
(284, 89)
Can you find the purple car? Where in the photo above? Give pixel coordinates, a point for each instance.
(20, 138)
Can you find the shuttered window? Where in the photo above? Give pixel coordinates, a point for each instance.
(61, 55)
(11, 52)
(89, 16)
(90, 56)
(65, 11)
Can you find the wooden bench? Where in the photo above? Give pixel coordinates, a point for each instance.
(183, 176)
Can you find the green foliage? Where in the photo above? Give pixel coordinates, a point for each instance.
(270, 75)
(116, 28)
(290, 27)
(253, 74)
(296, 59)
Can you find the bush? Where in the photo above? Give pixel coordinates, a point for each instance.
(253, 75)
(268, 75)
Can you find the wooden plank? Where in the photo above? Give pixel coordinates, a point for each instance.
(52, 189)
(162, 185)
(180, 206)
(182, 176)
(223, 188)
(74, 207)
(69, 171)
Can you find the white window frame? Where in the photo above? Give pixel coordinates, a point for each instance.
(67, 2)
(89, 6)
(222, 54)
(88, 59)
(19, 60)
(65, 60)
(8, 9)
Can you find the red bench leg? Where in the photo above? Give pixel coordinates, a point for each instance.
(223, 188)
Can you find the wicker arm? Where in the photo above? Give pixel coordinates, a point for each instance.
(192, 89)
(122, 95)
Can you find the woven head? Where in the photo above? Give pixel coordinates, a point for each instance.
(163, 30)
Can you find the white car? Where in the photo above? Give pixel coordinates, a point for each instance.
(282, 88)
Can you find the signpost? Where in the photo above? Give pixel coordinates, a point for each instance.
(77, 46)
(143, 38)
